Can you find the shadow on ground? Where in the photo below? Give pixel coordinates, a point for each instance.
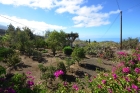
(92, 67)
(69, 78)
(21, 66)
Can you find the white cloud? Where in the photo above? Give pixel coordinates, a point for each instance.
(37, 26)
(68, 6)
(84, 16)
(31, 3)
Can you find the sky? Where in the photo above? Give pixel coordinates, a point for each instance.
(97, 20)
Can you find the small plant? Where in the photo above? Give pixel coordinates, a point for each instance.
(61, 66)
(18, 79)
(4, 52)
(69, 62)
(13, 59)
(45, 51)
(78, 54)
(67, 50)
(2, 71)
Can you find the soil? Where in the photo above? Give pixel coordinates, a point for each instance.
(87, 66)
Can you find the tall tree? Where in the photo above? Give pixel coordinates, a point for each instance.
(56, 40)
(29, 32)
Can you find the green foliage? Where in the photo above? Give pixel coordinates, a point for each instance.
(69, 62)
(2, 70)
(47, 72)
(39, 42)
(4, 52)
(68, 50)
(56, 40)
(92, 48)
(45, 51)
(42, 68)
(13, 59)
(130, 43)
(108, 53)
(78, 54)
(61, 66)
(18, 78)
(37, 54)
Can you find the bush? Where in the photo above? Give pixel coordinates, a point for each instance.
(61, 66)
(67, 50)
(78, 54)
(13, 59)
(130, 43)
(47, 72)
(45, 51)
(69, 62)
(4, 52)
(2, 70)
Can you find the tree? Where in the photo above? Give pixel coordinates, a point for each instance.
(29, 33)
(78, 54)
(56, 40)
(11, 28)
(47, 33)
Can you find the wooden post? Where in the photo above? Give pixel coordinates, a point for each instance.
(121, 30)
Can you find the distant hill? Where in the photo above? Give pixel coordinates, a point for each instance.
(2, 31)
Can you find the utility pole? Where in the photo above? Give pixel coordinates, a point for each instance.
(121, 30)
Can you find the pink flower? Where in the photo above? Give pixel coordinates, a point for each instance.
(114, 69)
(122, 53)
(121, 64)
(114, 76)
(137, 70)
(30, 83)
(105, 74)
(138, 58)
(127, 79)
(58, 73)
(128, 89)
(99, 86)
(103, 81)
(131, 62)
(65, 83)
(90, 80)
(126, 70)
(75, 87)
(28, 72)
(135, 87)
(110, 90)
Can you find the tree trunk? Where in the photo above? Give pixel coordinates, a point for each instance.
(54, 50)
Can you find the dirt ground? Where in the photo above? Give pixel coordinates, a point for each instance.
(88, 65)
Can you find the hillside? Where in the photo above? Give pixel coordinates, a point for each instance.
(2, 31)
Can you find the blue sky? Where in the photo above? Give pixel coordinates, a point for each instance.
(92, 19)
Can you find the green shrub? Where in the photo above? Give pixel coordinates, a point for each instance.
(4, 52)
(37, 54)
(13, 59)
(47, 72)
(61, 66)
(67, 50)
(45, 51)
(2, 70)
(18, 78)
(130, 43)
(69, 62)
(78, 54)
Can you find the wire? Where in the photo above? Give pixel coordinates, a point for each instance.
(110, 25)
(118, 4)
(12, 20)
(17, 22)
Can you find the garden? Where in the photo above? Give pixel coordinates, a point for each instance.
(35, 64)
